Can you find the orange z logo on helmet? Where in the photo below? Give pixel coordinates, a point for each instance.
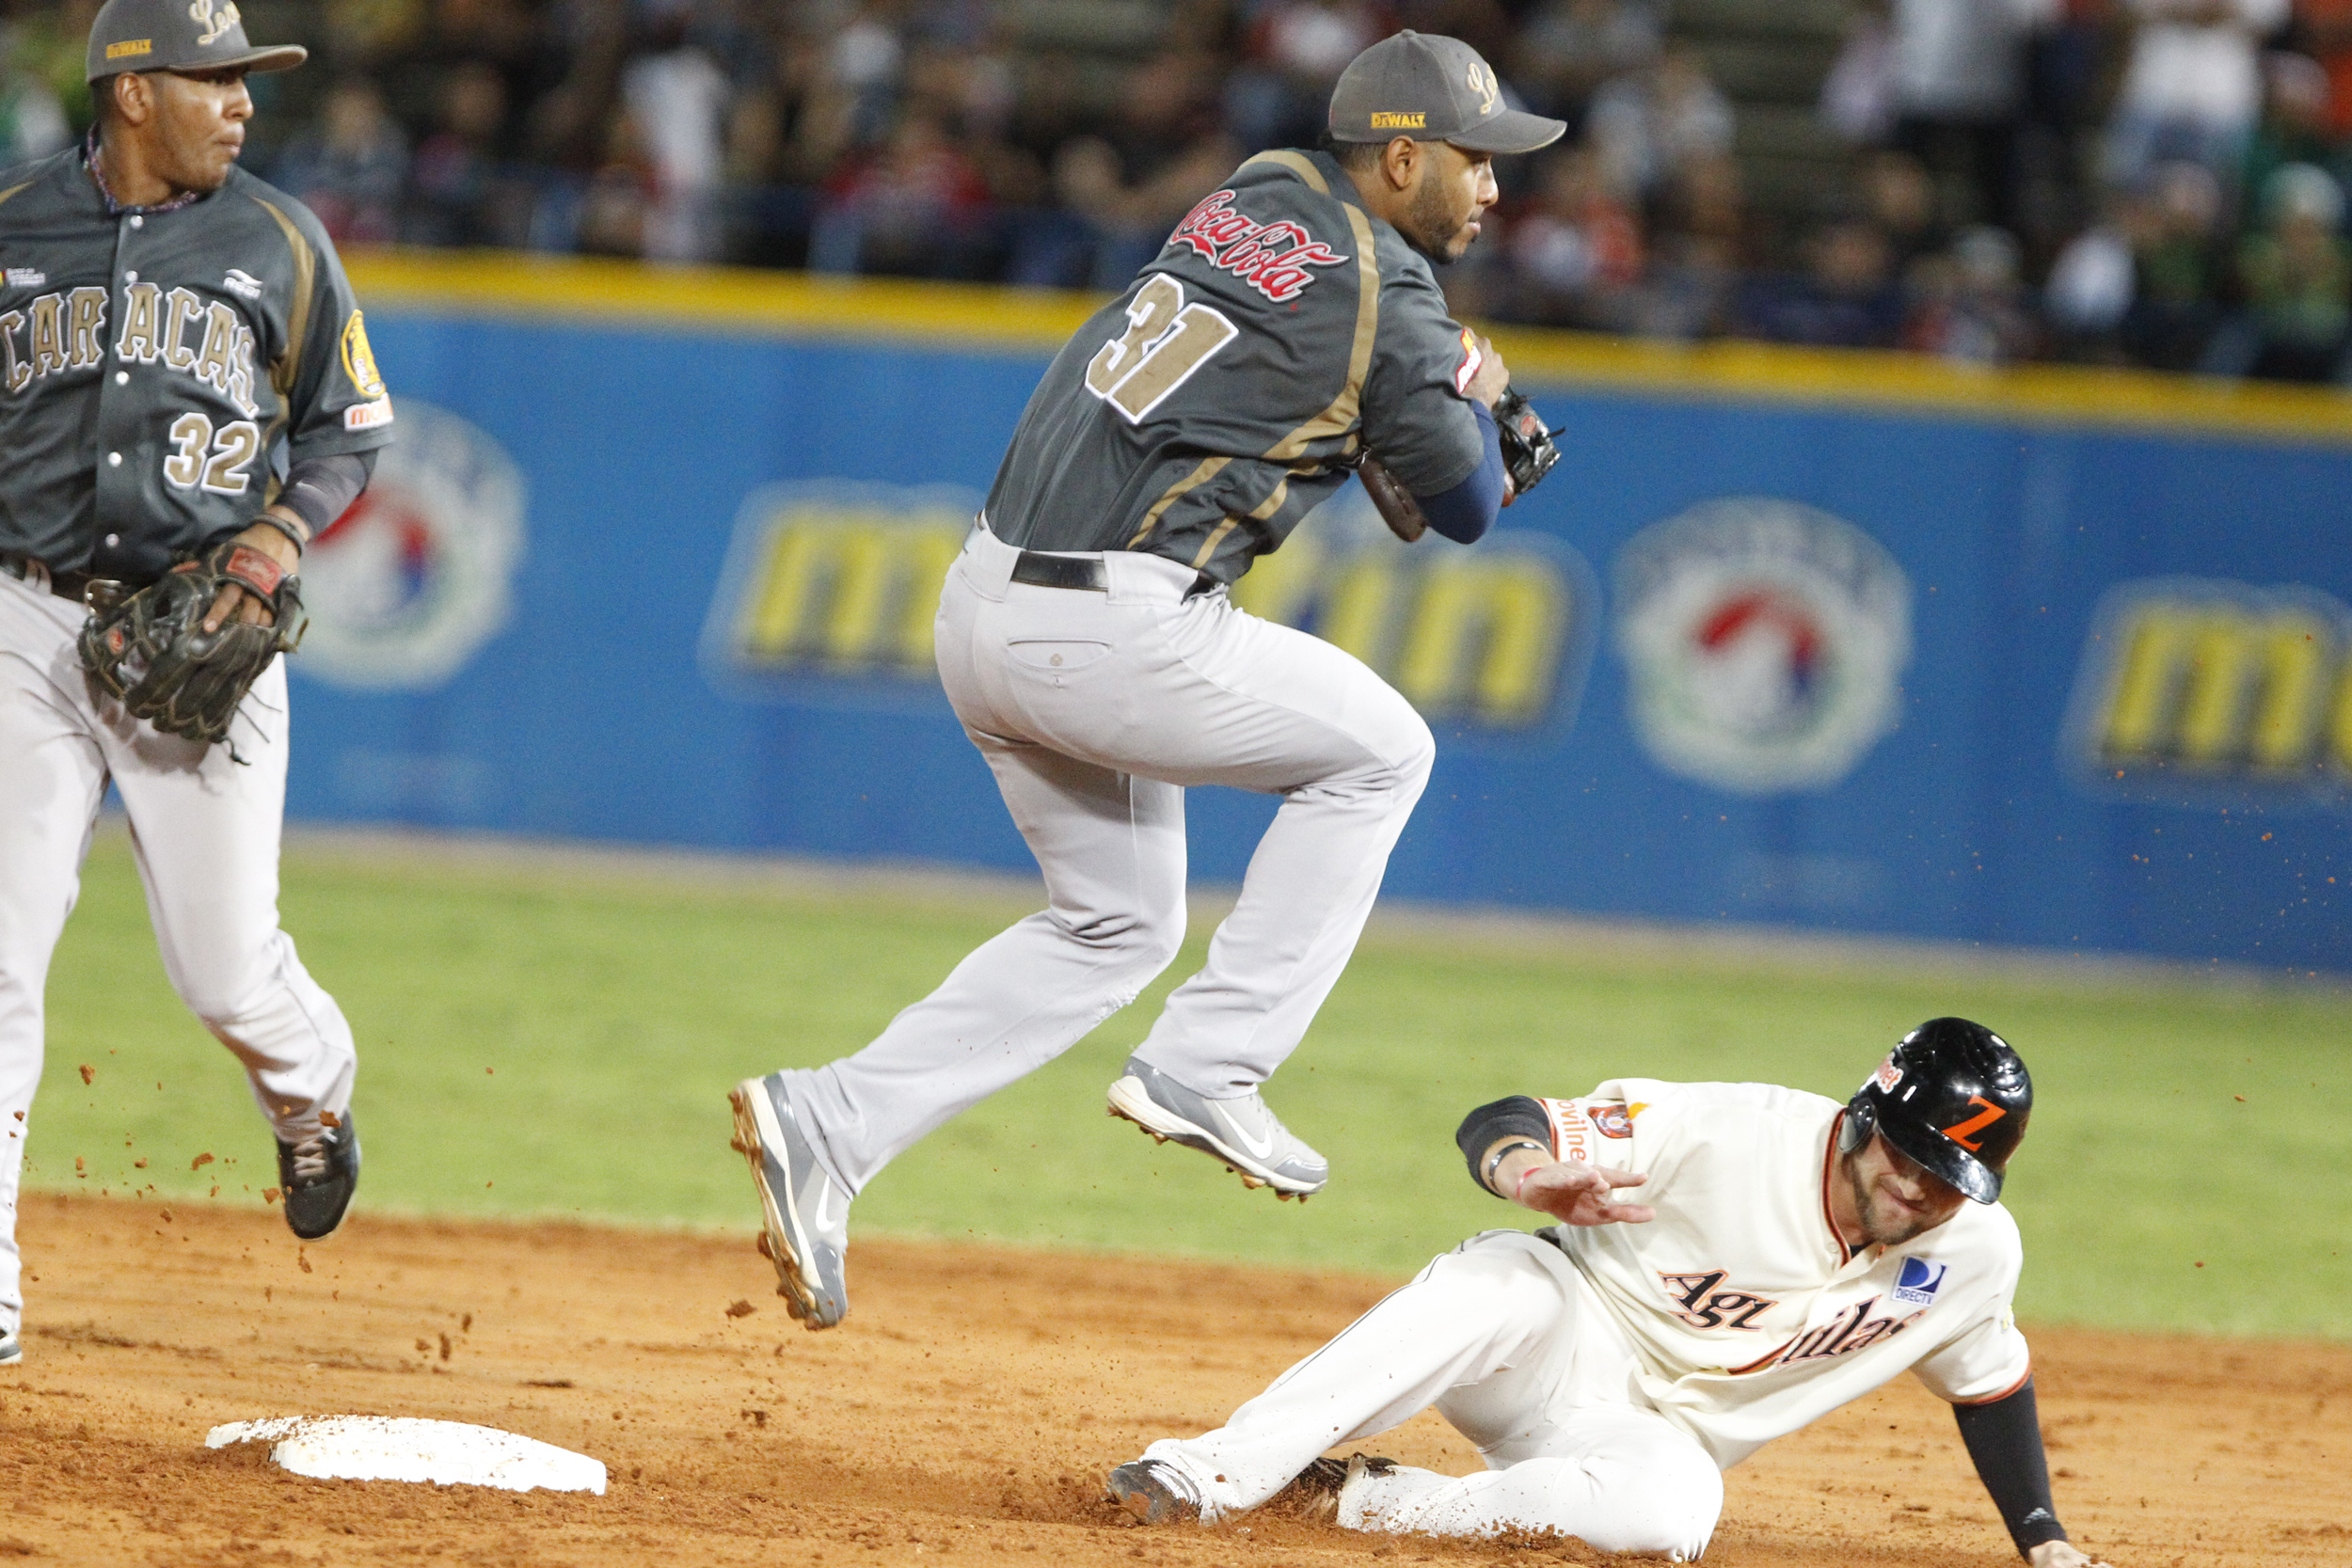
(1959, 1132)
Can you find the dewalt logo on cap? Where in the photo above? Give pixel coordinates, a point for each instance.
(1400, 123)
(129, 47)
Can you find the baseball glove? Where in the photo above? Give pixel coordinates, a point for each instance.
(1528, 454)
(150, 652)
(1395, 503)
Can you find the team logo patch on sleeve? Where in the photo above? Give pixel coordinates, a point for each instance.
(1471, 360)
(1613, 1120)
(360, 359)
(1919, 1281)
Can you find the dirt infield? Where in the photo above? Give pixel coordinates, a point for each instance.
(965, 1415)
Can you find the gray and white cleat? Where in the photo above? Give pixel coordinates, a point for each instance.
(1242, 1131)
(1154, 1492)
(804, 1214)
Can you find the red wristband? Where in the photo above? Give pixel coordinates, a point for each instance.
(1520, 1185)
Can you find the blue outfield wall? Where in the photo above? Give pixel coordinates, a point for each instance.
(1918, 673)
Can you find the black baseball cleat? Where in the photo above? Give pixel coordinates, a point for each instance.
(319, 1174)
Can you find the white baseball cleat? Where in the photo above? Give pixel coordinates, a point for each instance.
(1243, 1133)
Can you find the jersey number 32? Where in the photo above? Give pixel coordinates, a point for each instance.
(215, 460)
(1166, 342)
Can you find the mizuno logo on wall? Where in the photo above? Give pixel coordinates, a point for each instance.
(835, 580)
(2189, 685)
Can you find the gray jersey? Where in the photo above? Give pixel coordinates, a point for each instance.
(159, 368)
(1200, 416)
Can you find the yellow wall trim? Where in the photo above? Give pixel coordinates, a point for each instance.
(796, 305)
(754, 302)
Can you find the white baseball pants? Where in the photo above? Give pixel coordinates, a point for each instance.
(1095, 710)
(1508, 1341)
(205, 830)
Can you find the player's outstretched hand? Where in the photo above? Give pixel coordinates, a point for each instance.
(1575, 1193)
(2061, 1554)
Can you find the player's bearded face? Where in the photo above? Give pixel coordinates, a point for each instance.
(1895, 1198)
(199, 127)
(1455, 190)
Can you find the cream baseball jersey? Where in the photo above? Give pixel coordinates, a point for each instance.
(1749, 1315)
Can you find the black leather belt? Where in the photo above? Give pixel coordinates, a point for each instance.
(66, 585)
(1061, 571)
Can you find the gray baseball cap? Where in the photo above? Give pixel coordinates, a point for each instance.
(1431, 89)
(179, 35)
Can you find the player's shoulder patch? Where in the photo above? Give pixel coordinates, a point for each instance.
(1473, 358)
(360, 362)
(1612, 1119)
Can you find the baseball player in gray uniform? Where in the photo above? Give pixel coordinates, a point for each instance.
(182, 370)
(1291, 325)
(1789, 1255)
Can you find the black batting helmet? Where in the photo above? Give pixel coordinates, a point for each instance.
(1954, 1096)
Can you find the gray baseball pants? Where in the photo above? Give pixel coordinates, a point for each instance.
(1095, 710)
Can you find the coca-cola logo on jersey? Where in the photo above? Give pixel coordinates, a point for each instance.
(1272, 258)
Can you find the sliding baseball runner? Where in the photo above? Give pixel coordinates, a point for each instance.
(1291, 328)
(1789, 1254)
(186, 396)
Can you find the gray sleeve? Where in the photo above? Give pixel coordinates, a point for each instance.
(319, 490)
(1417, 418)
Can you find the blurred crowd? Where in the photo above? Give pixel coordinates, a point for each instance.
(2158, 182)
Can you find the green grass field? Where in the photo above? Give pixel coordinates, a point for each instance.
(542, 1041)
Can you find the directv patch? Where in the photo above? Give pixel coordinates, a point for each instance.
(1919, 1282)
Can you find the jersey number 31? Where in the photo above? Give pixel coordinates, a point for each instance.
(1166, 342)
